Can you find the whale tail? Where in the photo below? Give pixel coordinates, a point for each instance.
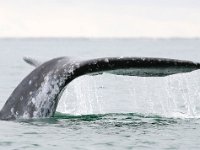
(38, 93)
(32, 61)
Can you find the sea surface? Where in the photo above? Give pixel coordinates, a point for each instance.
(106, 111)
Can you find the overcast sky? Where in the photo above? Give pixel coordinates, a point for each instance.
(100, 18)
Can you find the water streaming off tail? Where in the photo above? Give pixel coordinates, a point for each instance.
(172, 96)
(81, 97)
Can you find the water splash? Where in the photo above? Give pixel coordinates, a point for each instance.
(172, 96)
(81, 97)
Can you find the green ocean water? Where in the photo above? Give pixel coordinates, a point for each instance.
(108, 131)
(107, 111)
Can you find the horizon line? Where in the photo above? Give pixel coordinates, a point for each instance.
(72, 37)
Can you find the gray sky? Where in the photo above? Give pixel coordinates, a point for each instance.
(100, 18)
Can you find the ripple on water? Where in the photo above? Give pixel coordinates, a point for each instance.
(5, 143)
(101, 131)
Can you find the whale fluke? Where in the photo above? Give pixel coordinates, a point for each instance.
(32, 61)
(38, 94)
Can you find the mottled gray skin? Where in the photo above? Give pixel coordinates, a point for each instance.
(38, 94)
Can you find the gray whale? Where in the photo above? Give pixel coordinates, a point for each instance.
(38, 93)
